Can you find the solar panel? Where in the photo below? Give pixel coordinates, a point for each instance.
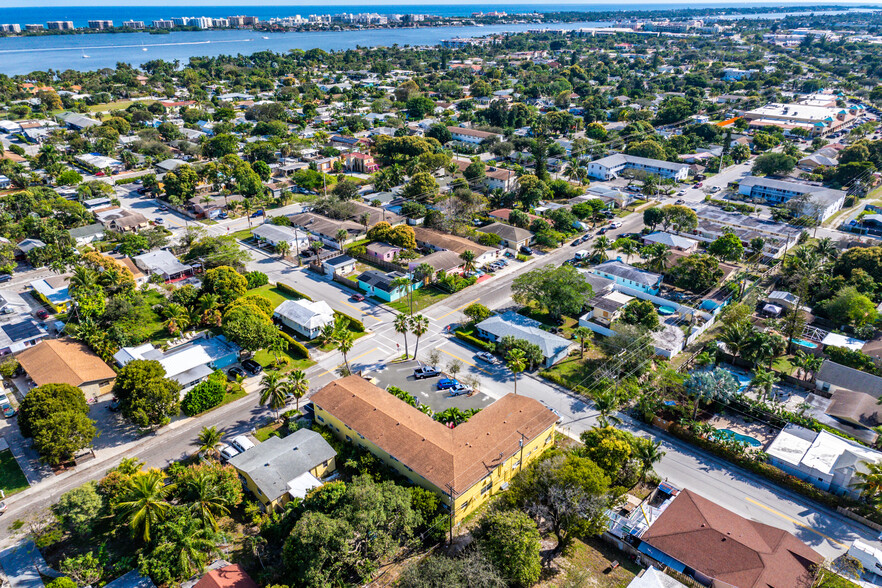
(21, 331)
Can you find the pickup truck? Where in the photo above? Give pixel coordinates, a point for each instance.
(425, 372)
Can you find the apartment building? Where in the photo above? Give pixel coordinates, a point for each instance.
(816, 202)
(60, 25)
(607, 168)
(100, 25)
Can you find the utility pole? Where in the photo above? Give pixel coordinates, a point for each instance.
(452, 493)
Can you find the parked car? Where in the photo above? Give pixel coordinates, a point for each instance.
(425, 372)
(223, 215)
(603, 231)
(679, 201)
(5, 278)
(243, 443)
(358, 297)
(234, 373)
(228, 452)
(615, 225)
(445, 383)
(257, 213)
(42, 314)
(698, 185)
(486, 356)
(681, 193)
(158, 221)
(252, 367)
(526, 250)
(715, 189)
(6, 406)
(459, 390)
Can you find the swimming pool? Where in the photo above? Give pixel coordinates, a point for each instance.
(730, 435)
(743, 381)
(666, 310)
(807, 344)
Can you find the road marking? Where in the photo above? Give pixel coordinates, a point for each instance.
(351, 359)
(794, 521)
(464, 361)
(456, 309)
(379, 320)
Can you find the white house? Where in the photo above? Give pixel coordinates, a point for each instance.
(607, 168)
(471, 136)
(629, 276)
(304, 317)
(274, 234)
(554, 348)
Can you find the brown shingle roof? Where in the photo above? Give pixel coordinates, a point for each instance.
(448, 241)
(461, 456)
(729, 548)
(64, 361)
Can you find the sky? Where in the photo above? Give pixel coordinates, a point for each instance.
(368, 3)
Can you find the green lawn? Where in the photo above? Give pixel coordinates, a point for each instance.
(155, 324)
(12, 479)
(267, 360)
(118, 105)
(242, 235)
(422, 298)
(273, 294)
(264, 433)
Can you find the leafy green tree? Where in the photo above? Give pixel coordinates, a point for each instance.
(680, 218)
(249, 327)
(718, 385)
(647, 148)
(773, 164)
(727, 247)
(203, 396)
(471, 570)
(345, 189)
(180, 185)
(147, 397)
(531, 190)
(698, 272)
(653, 217)
(419, 107)
(851, 307)
(79, 509)
(57, 417)
(183, 548)
(560, 290)
(220, 145)
(225, 282)
(85, 569)
(641, 313)
(422, 186)
(477, 312)
(510, 540)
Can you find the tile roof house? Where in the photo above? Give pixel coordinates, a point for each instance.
(721, 548)
(65, 361)
(228, 576)
(304, 317)
(554, 348)
(464, 465)
(283, 468)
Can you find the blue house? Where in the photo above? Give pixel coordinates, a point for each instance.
(376, 283)
(629, 276)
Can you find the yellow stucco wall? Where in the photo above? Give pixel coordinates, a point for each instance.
(320, 471)
(472, 498)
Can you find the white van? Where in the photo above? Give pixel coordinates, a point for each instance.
(243, 443)
(581, 254)
(227, 452)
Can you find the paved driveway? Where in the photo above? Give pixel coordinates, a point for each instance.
(23, 565)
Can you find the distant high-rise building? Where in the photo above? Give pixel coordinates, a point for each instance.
(163, 24)
(220, 23)
(100, 24)
(60, 25)
(134, 24)
(202, 22)
(182, 21)
(251, 20)
(33, 27)
(10, 28)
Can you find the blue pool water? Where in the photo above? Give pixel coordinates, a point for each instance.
(804, 343)
(730, 435)
(743, 381)
(666, 310)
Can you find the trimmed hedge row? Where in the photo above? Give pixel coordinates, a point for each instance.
(295, 345)
(485, 345)
(286, 288)
(354, 324)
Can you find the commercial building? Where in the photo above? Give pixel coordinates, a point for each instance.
(100, 24)
(554, 348)
(471, 136)
(816, 202)
(280, 469)
(60, 25)
(608, 168)
(190, 362)
(304, 317)
(65, 361)
(817, 120)
(465, 465)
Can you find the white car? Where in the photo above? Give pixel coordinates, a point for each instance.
(228, 452)
(486, 356)
(243, 443)
(615, 225)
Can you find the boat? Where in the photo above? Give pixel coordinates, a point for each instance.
(85, 56)
(264, 37)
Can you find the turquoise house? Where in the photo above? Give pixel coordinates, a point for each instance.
(376, 283)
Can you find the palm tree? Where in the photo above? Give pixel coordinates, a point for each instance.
(871, 483)
(191, 544)
(209, 440)
(402, 327)
(826, 248)
(327, 334)
(656, 256)
(145, 503)
(581, 333)
(648, 453)
(208, 305)
(341, 237)
(425, 272)
(365, 220)
(177, 318)
(418, 326)
(247, 206)
(345, 340)
(737, 337)
(298, 386)
(601, 244)
(764, 380)
(607, 403)
(273, 392)
(517, 362)
(404, 282)
(629, 247)
(283, 248)
(468, 258)
(83, 279)
(206, 502)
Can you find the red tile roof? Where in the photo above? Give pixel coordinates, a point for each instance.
(231, 576)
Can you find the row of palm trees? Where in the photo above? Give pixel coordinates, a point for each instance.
(655, 255)
(277, 388)
(418, 325)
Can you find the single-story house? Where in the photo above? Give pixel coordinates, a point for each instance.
(512, 237)
(65, 361)
(672, 241)
(226, 575)
(274, 234)
(341, 265)
(783, 299)
(376, 283)
(169, 165)
(823, 459)
(606, 308)
(87, 234)
(382, 251)
(280, 469)
(53, 291)
(188, 363)
(163, 263)
(446, 261)
(629, 276)
(439, 241)
(25, 246)
(305, 317)
(554, 348)
(19, 333)
(326, 229)
(121, 220)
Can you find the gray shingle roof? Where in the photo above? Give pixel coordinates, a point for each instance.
(508, 232)
(622, 270)
(850, 378)
(521, 327)
(277, 461)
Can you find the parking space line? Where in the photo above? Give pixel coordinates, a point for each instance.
(457, 309)
(464, 361)
(351, 359)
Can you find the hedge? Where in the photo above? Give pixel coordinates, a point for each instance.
(354, 324)
(204, 396)
(485, 345)
(295, 345)
(286, 288)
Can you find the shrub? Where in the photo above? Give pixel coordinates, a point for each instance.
(256, 279)
(354, 324)
(286, 288)
(204, 396)
(295, 346)
(402, 395)
(481, 344)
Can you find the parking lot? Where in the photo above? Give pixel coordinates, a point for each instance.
(426, 391)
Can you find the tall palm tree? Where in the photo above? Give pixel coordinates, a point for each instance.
(177, 318)
(468, 258)
(517, 363)
(145, 503)
(607, 403)
(418, 326)
(871, 483)
(737, 337)
(365, 220)
(764, 380)
(648, 453)
(298, 386)
(341, 237)
(404, 282)
(629, 247)
(345, 340)
(581, 333)
(273, 392)
(206, 502)
(208, 306)
(247, 206)
(601, 244)
(827, 248)
(402, 327)
(209, 440)
(190, 545)
(425, 273)
(83, 279)
(656, 257)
